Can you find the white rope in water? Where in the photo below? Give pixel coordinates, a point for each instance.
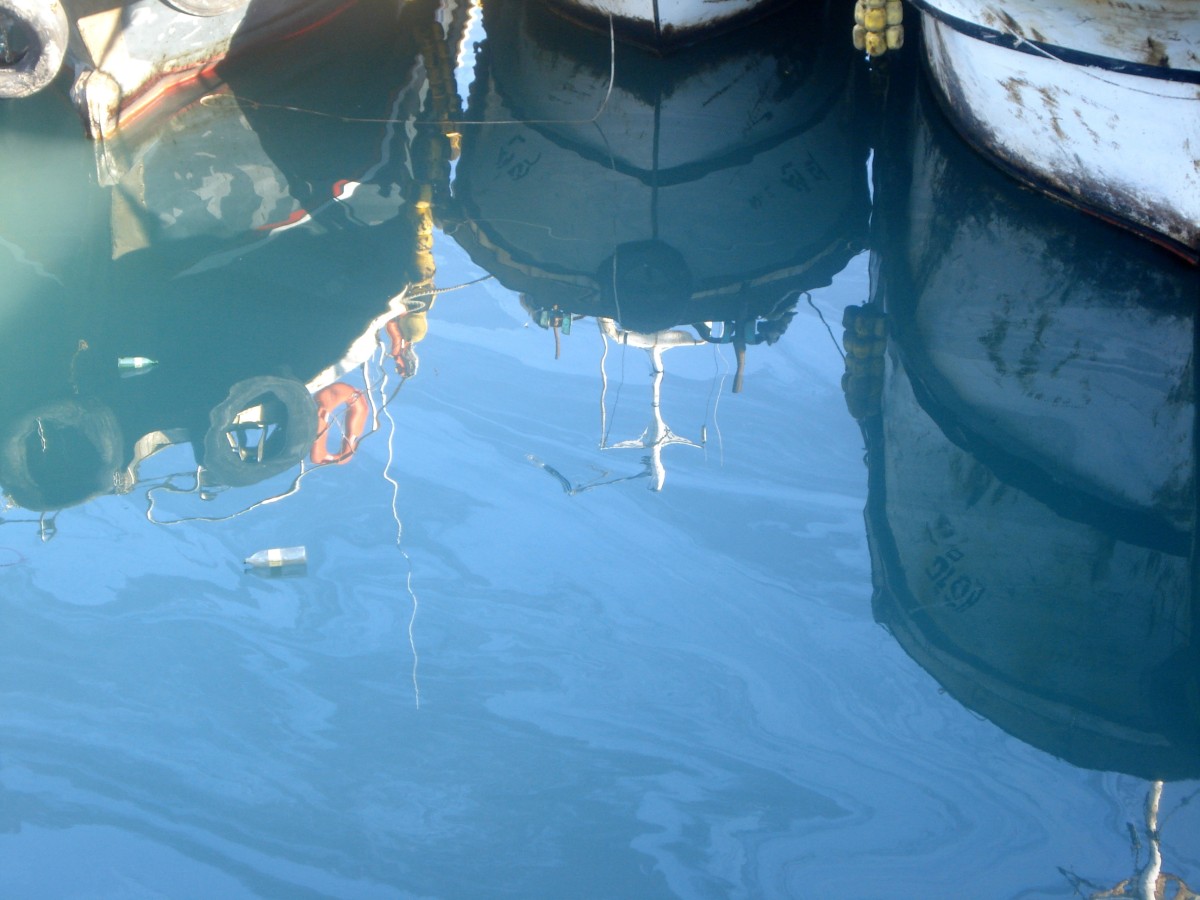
(412, 619)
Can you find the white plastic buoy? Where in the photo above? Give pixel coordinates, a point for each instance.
(135, 365)
(277, 558)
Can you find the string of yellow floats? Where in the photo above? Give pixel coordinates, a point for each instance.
(878, 26)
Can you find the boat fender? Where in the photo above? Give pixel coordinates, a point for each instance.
(865, 340)
(206, 7)
(61, 454)
(41, 30)
(291, 409)
(878, 26)
(329, 399)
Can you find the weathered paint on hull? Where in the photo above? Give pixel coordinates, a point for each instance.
(1124, 144)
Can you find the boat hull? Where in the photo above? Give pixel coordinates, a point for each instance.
(665, 24)
(1031, 452)
(1116, 137)
(128, 57)
(765, 133)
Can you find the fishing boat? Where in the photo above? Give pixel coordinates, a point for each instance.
(1096, 103)
(126, 57)
(1031, 445)
(582, 195)
(665, 24)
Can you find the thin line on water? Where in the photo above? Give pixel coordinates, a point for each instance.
(724, 367)
(821, 316)
(412, 641)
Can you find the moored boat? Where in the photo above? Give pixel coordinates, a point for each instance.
(578, 187)
(1097, 103)
(665, 24)
(1031, 446)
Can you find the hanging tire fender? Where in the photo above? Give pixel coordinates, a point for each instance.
(61, 454)
(289, 398)
(44, 25)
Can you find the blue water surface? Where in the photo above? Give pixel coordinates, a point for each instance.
(568, 627)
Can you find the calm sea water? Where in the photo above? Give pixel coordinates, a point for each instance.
(773, 500)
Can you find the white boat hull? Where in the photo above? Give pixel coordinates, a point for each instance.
(1118, 137)
(663, 23)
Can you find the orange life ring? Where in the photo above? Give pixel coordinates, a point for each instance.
(328, 399)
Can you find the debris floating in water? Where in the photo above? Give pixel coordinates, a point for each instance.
(277, 558)
(135, 365)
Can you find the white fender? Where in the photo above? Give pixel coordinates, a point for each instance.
(44, 24)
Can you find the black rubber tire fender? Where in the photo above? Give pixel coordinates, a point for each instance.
(285, 449)
(44, 23)
(87, 426)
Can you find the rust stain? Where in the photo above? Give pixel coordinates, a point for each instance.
(1050, 97)
(1088, 128)
(1012, 87)
(1011, 24)
(1156, 53)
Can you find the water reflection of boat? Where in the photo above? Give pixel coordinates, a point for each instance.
(656, 436)
(236, 376)
(1031, 444)
(295, 138)
(127, 56)
(582, 192)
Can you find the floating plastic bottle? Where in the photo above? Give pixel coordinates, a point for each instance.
(277, 558)
(135, 365)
